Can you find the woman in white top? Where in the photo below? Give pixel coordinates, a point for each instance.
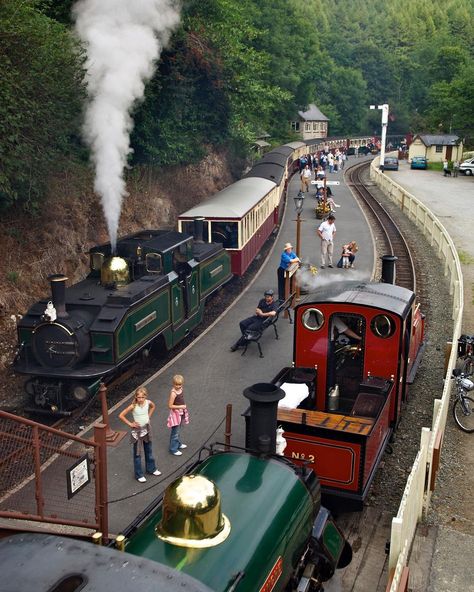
(141, 409)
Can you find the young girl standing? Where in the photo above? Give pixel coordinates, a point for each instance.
(178, 413)
(142, 409)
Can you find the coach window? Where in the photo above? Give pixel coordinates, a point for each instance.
(153, 263)
(187, 226)
(226, 233)
(313, 319)
(382, 326)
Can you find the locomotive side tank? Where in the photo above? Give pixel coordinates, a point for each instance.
(154, 285)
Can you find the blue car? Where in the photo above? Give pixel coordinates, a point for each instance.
(419, 162)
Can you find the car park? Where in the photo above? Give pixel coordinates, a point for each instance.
(467, 167)
(419, 162)
(390, 163)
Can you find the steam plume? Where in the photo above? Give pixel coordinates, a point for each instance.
(123, 39)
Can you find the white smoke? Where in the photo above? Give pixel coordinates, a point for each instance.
(123, 40)
(310, 282)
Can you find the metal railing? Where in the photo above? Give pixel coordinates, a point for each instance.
(49, 476)
(421, 481)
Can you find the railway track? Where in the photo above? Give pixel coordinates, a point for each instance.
(388, 237)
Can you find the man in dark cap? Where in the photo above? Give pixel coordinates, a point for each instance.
(267, 307)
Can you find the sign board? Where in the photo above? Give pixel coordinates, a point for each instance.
(78, 476)
(321, 183)
(333, 183)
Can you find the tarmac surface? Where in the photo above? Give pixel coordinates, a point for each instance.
(214, 376)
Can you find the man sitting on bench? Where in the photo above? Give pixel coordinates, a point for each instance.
(267, 307)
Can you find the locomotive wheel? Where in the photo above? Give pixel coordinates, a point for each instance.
(464, 420)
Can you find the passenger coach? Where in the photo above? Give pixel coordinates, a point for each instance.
(241, 217)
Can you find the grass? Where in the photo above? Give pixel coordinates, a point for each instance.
(465, 258)
(13, 276)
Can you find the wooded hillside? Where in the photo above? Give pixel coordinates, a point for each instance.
(232, 69)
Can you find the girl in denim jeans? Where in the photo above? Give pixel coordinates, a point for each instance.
(141, 409)
(177, 415)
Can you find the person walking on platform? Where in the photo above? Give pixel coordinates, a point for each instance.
(267, 307)
(306, 175)
(287, 258)
(177, 415)
(455, 168)
(327, 232)
(141, 409)
(446, 171)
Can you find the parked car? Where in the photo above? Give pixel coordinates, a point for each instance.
(467, 167)
(419, 162)
(390, 163)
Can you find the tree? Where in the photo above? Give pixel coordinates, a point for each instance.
(40, 100)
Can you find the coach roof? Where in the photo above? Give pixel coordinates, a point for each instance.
(233, 201)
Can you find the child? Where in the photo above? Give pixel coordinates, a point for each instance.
(178, 413)
(345, 256)
(142, 409)
(348, 254)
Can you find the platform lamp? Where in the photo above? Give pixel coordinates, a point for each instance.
(384, 109)
(299, 200)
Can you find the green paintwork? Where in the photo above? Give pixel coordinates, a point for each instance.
(271, 515)
(210, 280)
(103, 341)
(177, 304)
(128, 337)
(333, 540)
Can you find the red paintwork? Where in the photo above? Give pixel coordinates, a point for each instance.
(380, 357)
(241, 259)
(337, 464)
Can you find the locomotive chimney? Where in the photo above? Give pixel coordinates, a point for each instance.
(388, 269)
(198, 230)
(58, 293)
(263, 399)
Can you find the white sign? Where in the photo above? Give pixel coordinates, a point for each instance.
(78, 476)
(333, 183)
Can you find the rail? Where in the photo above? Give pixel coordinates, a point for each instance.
(421, 481)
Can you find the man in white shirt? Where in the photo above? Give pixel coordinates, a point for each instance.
(306, 175)
(327, 232)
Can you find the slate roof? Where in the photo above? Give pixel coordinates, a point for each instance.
(312, 114)
(438, 139)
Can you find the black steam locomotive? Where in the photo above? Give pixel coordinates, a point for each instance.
(153, 287)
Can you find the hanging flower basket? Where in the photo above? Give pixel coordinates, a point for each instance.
(322, 209)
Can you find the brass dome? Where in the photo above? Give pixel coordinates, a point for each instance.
(114, 270)
(192, 514)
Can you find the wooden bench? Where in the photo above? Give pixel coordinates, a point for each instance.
(255, 336)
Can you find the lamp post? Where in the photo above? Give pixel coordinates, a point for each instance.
(384, 109)
(298, 199)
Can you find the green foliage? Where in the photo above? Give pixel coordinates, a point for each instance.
(40, 104)
(13, 276)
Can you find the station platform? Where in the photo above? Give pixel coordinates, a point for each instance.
(215, 376)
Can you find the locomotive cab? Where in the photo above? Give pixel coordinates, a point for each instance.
(356, 345)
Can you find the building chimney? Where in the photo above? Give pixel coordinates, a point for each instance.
(198, 230)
